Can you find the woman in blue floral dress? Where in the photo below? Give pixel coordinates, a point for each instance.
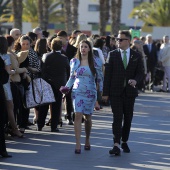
(84, 70)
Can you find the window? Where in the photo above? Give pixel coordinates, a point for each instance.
(137, 3)
(93, 8)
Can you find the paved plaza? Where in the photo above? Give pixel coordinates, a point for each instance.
(149, 142)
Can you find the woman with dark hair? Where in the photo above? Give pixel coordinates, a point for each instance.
(33, 38)
(84, 70)
(7, 89)
(28, 58)
(4, 76)
(41, 47)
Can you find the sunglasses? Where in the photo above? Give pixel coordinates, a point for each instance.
(121, 39)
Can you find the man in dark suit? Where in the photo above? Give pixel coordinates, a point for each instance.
(123, 72)
(150, 51)
(69, 51)
(4, 76)
(55, 70)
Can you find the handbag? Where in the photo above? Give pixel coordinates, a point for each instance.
(39, 93)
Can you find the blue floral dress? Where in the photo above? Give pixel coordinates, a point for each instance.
(84, 92)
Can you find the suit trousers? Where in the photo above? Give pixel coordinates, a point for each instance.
(122, 108)
(56, 106)
(2, 120)
(166, 76)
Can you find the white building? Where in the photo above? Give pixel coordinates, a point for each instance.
(89, 12)
(89, 17)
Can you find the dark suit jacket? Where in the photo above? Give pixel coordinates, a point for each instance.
(55, 69)
(115, 74)
(4, 76)
(70, 51)
(151, 56)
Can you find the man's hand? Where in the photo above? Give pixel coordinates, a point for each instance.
(132, 82)
(105, 98)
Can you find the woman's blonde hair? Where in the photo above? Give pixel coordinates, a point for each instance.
(79, 38)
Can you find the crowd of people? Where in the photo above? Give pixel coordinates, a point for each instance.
(87, 72)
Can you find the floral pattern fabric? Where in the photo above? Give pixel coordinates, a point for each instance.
(84, 92)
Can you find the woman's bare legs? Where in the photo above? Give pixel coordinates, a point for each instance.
(88, 125)
(11, 118)
(77, 128)
(35, 115)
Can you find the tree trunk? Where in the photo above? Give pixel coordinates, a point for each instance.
(119, 6)
(40, 13)
(68, 19)
(104, 16)
(113, 17)
(17, 12)
(45, 14)
(74, 4)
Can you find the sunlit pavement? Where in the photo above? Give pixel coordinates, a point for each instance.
(149, 142)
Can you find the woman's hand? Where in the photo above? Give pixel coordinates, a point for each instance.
(64, 89)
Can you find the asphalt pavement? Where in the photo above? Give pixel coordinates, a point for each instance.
(149, 142)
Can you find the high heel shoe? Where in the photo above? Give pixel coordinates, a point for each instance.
(34, 120)
(17, 133)
(87, 147)
(77, 151)
(5, 155)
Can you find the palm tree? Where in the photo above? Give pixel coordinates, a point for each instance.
(5, 11)
(156, 13)
(55, 12)
(40, 13)
(119, 7)
(74, 4)
(45, 14)
(113, 17)
(104, 16)
(68, 19)
(30, 11)
(17, 12)
(115, 13)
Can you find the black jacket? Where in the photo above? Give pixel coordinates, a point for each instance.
(55, 69)
(70, 51)
(115, 74)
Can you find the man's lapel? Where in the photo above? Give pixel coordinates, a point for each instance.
(131, 58)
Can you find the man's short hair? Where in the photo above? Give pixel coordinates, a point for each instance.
(126, 33)
(165, 36)
(13, 30)
(76, 31)
(62, 33)
(37, 29)
(32, 35)
(148, 35)
(56, 44)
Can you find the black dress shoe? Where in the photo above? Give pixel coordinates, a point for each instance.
(125, 148)
(70, 122)
(115, 151)
(55, 130)
(5, 155)
(39, 129)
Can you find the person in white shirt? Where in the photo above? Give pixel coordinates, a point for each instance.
(164, 59)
